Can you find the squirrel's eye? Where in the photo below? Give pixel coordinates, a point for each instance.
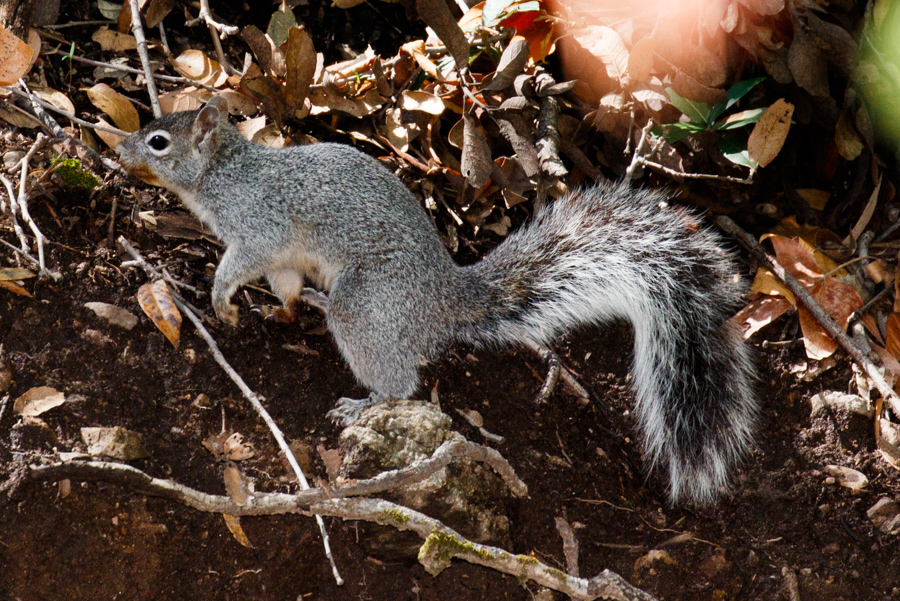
(158, 142)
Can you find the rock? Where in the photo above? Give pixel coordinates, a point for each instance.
(113, 314)
(466, 495)
(116, 442)
(885, 515)
(841, 402)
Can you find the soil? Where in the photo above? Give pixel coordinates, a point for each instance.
(579, 459)
(92, 540)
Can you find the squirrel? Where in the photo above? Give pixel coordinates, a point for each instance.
(335, 216)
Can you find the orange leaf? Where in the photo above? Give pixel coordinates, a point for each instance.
(156, 301)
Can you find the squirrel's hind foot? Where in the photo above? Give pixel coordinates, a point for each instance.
(346, 410)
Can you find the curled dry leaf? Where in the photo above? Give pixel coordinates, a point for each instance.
(119, 108)
(770, 132)
(234, 526)
(437, 15)
(199, 67)
(185, 99)
(15, 57)
(37, 400)
(116, 442)
(417, 50)
(54, 97)
(113, 40)
(421, 101)
(156, 301)
(15, 288)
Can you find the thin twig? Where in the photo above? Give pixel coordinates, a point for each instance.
(710, 176)
(254, 402)
(206, 16)
(78, 24)
(138, 30)
(127, 69)
(549, 385)
(825, 320)
(65, 114)
(636, 157)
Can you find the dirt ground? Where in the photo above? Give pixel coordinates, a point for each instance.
(579, 460)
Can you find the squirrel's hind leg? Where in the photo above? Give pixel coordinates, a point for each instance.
(373, 332)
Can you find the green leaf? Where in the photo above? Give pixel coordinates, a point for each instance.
(739, 119)
(740, 89)
(282, 20)
(495, 11)
(697, 112)
(677, 131)
(736, 151)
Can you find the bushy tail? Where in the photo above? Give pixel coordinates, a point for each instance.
(611, 252)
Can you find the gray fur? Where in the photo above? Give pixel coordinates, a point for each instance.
(334, 216)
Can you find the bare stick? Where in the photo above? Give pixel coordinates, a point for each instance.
(127, 69)
(78, 24)
(824, 319)
(13, 209)
(549, 385)
(673, 173)
(206, 16)
(138, 30)
(636, 157)
(254, 402)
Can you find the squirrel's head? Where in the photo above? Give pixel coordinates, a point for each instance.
(174, 151)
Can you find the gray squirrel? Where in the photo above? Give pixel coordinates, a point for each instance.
(335, 216)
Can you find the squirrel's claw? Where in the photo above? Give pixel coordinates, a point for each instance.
(346, 410)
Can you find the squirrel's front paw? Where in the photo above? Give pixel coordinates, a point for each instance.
(228, 313)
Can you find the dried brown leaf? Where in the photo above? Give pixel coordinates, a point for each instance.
(807, 65)
(437, 15)
(300, 58)
(846, 138)
(421, 101)
(112, 140)
(195, 65)
(476, 153)
(640, 60)
(416, 48)
(759, 313)
(606, 44)
(270, 57)
(512, 63)
(15, 58)
(157, 11)
(233, 523)
(119, 108)
(770, 132)
(113, 40)
(156, 301)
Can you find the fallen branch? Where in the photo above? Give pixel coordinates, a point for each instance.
(138, 30)
(442, 544)
(825, 320)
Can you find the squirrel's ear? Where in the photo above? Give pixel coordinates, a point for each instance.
(207, 118)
